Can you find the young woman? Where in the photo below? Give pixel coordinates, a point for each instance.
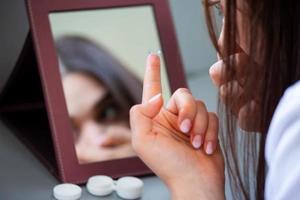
(99, 92)
(258, 60)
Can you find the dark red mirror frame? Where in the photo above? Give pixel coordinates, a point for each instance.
(69, 168)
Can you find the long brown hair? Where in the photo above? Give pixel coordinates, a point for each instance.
(273, 64)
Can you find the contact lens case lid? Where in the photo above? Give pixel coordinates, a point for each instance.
(129, 187)
(100, 185)
(126, 187)
(67, 191)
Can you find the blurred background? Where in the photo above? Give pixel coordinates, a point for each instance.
(196, 50)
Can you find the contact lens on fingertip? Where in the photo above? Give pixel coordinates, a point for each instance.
(150, 52)
(158, 52)
(67, 191)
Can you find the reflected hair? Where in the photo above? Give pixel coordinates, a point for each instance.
(273, 37)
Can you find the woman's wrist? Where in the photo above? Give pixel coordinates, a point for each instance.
(194, 191)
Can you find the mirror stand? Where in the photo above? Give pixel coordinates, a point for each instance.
(23, 109)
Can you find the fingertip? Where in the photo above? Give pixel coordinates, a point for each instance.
(211, 138)
(210, 148)
(153, 59)
(186, 118)
(197, 141)
(185, 126)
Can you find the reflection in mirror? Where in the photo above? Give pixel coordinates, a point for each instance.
(102, 55)
(99, 92)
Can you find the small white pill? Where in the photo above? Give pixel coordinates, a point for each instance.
(67, 191)
(100, 185)
(129, 187)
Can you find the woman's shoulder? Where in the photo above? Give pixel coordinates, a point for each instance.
(287, 112)
(283, 147)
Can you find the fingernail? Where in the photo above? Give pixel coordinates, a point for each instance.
(185, 125)
(197, 142)
(156, 97)
(209, 148)
(153, 60)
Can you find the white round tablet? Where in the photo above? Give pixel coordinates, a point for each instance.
(129, 187)
(67, 191)
(100, 185)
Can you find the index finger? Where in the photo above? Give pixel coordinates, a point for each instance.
(152, 80)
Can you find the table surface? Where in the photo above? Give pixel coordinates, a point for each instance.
(22, 176)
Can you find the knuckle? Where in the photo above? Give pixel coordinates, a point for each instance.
(133, 110)
(182, 90)
(189, 107)
(200, 103)
(213, 116)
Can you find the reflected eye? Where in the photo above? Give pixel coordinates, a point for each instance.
(107, 110)
(109, 113)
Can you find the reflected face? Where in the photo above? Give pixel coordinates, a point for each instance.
(99, 114)
(99, 133)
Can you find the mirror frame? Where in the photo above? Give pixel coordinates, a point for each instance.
(69, 168)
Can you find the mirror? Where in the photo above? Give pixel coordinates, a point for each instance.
(102, 55)
(82, 68)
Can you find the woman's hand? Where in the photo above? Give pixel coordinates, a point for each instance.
(160, 140)
(232, 91)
